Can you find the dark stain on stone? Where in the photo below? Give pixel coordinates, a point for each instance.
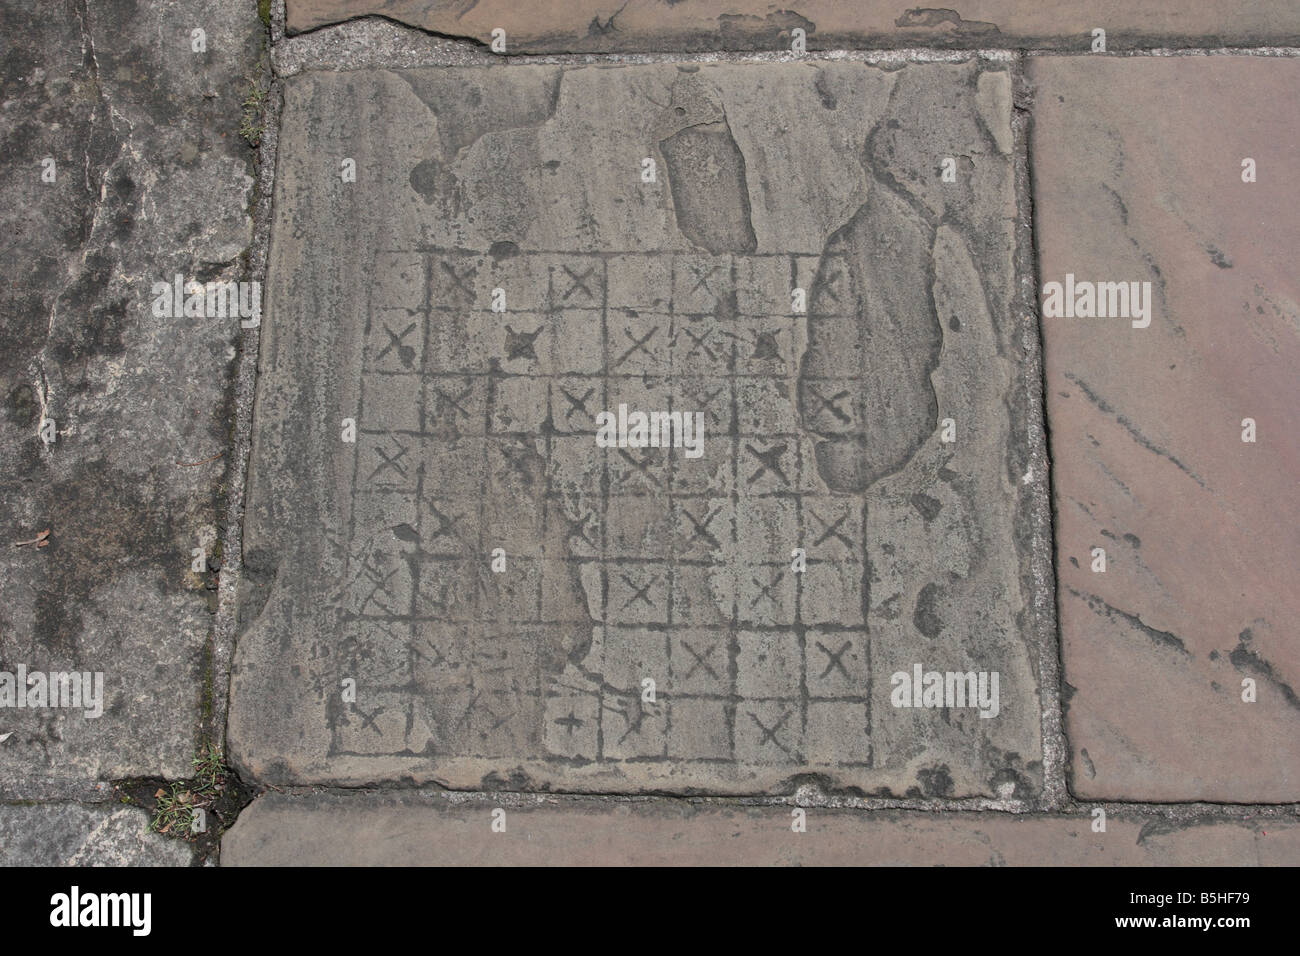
(925, 616)
(1246, 661)
(888, 608)
(1133, 539)
(123, 206)
(101, 330)
(944, 17)
(99, 518)
(824, 91)
(954, 323)
(1133, 431)
(766, 347)
(23, 408)
(1157, 827)
(519, 345)
(424, 179)
(936, 781)
(1088, 764)
(1074, 561)
(1218, 258)
(503, 249)
(1102, 609)
(706, 179)
(1118, 200)
(928, 507)
(515, 781)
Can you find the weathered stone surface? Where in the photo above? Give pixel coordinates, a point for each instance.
(1138, 167)
(671, 25)
(67, 834)
(371, 829)
(150, 179)
(475, 430)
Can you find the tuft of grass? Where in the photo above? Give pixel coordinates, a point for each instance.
(174, 812)
(209, 769)
(253, 122)
(264, 11)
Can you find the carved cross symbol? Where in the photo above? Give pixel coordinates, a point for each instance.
(769, 460)
(700, 343)
(769, 733)
(395, 341)
(700, 660)
(579, 282)
(834, 659)
(576, 404)
(831, 529)
(765, 590)
(368, 720)
(570, 723)
(380, 580)
(702, 527)
(641, 593)
(702, 279)
(637, 345)
(393, 461)
(444, 398)
(460, 279)
(830, 404)
(641, 466)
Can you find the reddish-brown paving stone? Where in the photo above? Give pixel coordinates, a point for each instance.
(664, 25)
(1138, 174)
(369, 829)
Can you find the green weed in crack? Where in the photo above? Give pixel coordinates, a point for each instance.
(253, 121)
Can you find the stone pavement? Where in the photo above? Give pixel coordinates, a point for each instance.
(891, 585)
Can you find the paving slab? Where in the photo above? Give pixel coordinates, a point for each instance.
(69, 834)
(1138, 165)
(415, 829)
(450, 578)
(580, 26)
(122, 167)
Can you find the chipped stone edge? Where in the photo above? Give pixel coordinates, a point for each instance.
(226, 626)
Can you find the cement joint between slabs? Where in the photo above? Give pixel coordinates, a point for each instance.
(350, 45)
(351, 49)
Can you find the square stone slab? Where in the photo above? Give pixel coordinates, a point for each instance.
(1139, 168)
(452, 580)
(146, 180)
